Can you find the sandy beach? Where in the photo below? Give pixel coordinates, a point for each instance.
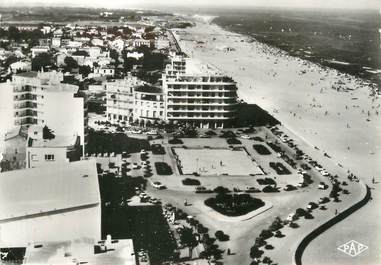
(336, 112)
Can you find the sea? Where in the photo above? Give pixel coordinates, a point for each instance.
(344, 39)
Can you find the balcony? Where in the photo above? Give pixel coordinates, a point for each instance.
(170, 103)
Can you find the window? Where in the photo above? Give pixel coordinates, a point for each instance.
(49, 157)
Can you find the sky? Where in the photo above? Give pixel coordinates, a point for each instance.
(354, 4)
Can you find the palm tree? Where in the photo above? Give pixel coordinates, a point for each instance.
(267, 260)
(188, 239)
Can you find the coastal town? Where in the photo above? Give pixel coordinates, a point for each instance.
(142, 137)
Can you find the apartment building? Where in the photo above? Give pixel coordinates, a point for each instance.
(42, 151)
(149, 105)
(42, 99)
(120, 98)
(198, 94)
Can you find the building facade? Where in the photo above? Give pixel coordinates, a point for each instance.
(198, 94)
(42, 99)
(120, 99)
(42, 152)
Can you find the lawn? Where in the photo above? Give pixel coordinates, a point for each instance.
(261, 149)
(279, 168)
(234, 205)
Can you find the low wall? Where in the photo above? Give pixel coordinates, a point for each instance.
(324, 227)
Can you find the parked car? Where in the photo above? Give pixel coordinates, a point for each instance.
(289, 187)
(153, 132)
(135, 166)
(291, 217)
(323, 200)
(322, 186)
(245, 136)
(157, 185)
(302, 185)
(312, 205)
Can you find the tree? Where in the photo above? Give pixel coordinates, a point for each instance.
(265, 234)
(114, 55)
(84, 70)
(259, 242)
(70, 63)
(153, 61)
(221, 190)
(47, 133)
(13, 33)
(42, 60)
(267, 260)
(10, 60)
(276, 225)
(129, 63)
(255, 252)
(188, 239)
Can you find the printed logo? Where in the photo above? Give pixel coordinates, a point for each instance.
(352, 248)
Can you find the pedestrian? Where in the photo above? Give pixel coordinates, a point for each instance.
(228, 251)
(336, 212)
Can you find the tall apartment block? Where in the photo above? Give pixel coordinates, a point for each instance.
(198, 94)
(42, 99)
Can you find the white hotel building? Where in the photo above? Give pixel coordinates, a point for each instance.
(198, 94)
(191, 93)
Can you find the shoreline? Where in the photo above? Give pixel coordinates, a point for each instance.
(307, 55)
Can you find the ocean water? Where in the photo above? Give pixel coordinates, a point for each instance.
(346, 40)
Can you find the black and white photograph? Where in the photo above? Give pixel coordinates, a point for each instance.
(194, 132)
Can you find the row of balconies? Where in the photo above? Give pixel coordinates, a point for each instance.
(199, 97)
(197, 103)
(199, 117)
(113, 107)
(202, 110)
(192, 87)
(117, 101)
(27, 96)
(25, 105)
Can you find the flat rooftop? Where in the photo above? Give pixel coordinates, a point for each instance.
(120, 252)
(196, 67)
(47, 189)
(58, 141)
